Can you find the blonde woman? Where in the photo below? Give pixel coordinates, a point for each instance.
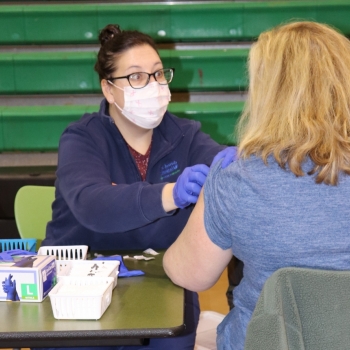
(285, 202)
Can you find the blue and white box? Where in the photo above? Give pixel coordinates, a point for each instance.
(29, 278)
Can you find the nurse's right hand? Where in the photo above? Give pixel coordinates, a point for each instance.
(189, 185)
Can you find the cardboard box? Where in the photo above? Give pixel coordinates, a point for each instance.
(28, 278)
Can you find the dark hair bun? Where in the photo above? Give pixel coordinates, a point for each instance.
(108, 33)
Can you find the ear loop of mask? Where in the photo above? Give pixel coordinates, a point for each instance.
(113, 96)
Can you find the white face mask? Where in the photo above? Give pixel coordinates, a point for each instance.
(145, 107)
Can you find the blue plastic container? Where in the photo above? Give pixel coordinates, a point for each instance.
(28, 244)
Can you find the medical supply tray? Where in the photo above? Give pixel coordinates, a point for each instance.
(90, 269)
(69, 252)
(81, 297)
(28, 244)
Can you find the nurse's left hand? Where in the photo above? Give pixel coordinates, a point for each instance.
(228, 155)
(189, 185)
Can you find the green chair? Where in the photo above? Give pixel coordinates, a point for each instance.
(33, 211)
(302, 308)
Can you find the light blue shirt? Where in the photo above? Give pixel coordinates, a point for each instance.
(271, 219)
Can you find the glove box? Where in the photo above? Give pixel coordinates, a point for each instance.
(28, 278)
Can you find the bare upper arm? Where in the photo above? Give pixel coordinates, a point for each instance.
(193, 261)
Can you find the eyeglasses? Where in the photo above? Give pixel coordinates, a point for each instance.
(139, 80)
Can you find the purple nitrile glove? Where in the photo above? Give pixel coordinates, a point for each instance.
(9, 288)
(189, 185)
(228, 155)
(123, 270)
(7, 254)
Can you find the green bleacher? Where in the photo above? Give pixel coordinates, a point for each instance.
(38, 128)
(73, 72)
(52, 23)
(49, 49)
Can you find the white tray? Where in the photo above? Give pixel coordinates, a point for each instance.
(69, 252)
(90, 269)
(81, 297)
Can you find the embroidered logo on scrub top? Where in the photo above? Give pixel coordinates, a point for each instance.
(169, 169)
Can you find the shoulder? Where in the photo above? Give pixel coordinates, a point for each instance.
(182, 124)
(239, 169)
(91, 120)
(95, 129)
(241, 175)
(253, 168)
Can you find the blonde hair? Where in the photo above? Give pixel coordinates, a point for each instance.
(298, 103)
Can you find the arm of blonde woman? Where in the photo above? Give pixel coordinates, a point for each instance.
(193, 261)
